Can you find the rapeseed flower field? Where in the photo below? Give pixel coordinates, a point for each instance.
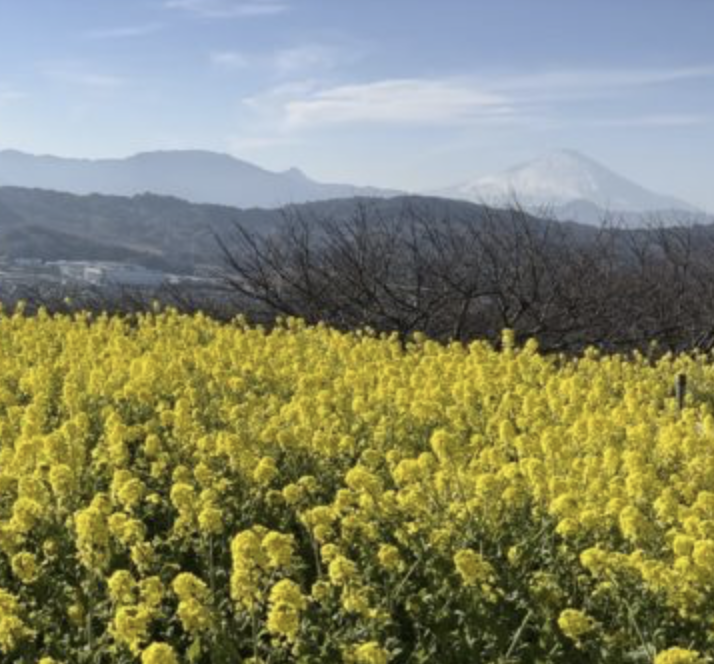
(175, 489)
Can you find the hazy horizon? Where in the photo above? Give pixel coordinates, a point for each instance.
(408, 94)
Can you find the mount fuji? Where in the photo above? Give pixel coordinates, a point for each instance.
(572, 186)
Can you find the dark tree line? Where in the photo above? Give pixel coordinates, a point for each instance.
(568, 285)
(453, 276)
(220, 304)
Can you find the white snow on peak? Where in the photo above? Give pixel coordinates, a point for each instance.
(560, 178)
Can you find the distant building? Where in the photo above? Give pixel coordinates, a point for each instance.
(29, 262)
(110, 274)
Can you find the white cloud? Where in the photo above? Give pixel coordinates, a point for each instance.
(91, 80)
(230, 59)
(275, 98)
(659, 120)
(401, 101)
(288, 62)
(229, 8)
(576, 84)
(124, 32)
(239, 143)
(453, 101)
(8, 97)
(308, 56)
(83, 77)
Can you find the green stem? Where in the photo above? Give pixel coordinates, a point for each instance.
(254, 627)
(517, 635)
(90, 615)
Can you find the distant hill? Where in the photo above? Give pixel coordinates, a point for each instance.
(193, 175)
(573, 186)
(156, 231)
(178, 236)
(32, 241)
(168, 233)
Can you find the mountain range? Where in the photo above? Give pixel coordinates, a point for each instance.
(193, 175)
(564, 183)
(143, 209)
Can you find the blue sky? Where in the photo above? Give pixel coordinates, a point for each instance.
(414, 94)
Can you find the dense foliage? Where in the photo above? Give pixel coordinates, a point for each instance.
(174, 489)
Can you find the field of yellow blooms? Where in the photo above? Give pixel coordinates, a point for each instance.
(175, 489)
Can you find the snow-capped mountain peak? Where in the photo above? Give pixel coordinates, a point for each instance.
(562, 178)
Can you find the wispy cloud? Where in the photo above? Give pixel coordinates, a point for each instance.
(306, 57)
(230, 59)
(578, 84)
(124, 32)
(238, 143)
(658, 120)
(81, 76)
(229, 8)
(288, 62)
(10, 96)
(266, 128)
(395, 101)
(460, 101)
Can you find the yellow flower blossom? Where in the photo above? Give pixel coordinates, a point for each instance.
(159, 653)
(575, 624)
(24, 567)
(371, 653)
(286, 604)
(12, 629)
(679, 656)
(278, 548)
(176, 478)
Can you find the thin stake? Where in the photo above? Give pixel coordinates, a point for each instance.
(680, 390)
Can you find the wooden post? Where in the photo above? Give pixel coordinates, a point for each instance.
(680, 390)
